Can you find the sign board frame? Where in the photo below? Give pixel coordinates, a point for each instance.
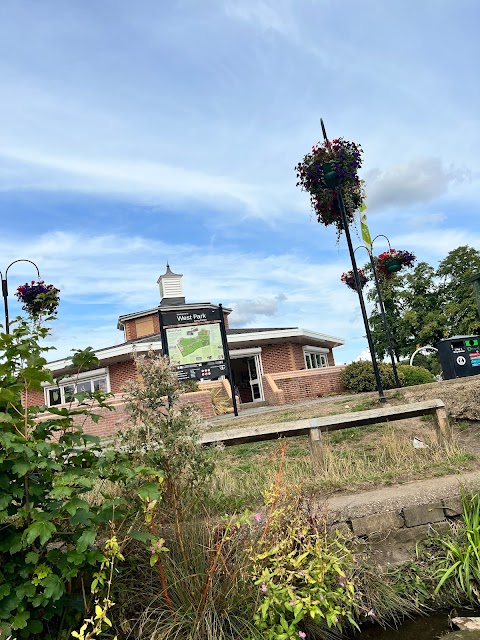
(182, 330)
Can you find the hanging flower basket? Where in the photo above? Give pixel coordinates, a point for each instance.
(326, 167)
(349, 279)
(393, 261)
(38, 298)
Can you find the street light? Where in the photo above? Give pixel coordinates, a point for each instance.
(343, 216)
(5, 289)
(382, 307)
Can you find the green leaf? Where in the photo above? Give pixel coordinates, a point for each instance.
(21, 468)
(86, 540)
(20, 620)
(31, 557)
(54, 587)
(76, 503)
(150, 491)
(42, 530)
(141, 536)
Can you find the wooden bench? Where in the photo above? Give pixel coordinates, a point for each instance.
(313, 427)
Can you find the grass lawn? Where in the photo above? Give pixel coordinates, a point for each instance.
(356, 459)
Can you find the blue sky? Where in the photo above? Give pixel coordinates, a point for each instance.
(139, 132)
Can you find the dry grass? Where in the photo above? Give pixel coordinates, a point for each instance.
(355, 459)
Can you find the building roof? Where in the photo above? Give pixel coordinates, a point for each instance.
(236, 338)
(171, 307)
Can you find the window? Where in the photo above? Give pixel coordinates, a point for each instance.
(83, 383)
(315, 357)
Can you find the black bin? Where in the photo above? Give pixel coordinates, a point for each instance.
(459, 356)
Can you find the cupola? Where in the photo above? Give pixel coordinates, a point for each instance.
(171, 290)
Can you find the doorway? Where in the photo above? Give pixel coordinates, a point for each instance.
(247, 373)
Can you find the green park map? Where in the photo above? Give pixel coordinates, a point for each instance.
(195, 344)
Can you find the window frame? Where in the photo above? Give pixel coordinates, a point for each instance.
(315, 357)
(76, 381)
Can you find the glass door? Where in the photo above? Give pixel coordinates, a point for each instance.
(255, 378)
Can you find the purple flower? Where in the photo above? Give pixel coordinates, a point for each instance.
(264, 587)
(258, 517)
(302, 634)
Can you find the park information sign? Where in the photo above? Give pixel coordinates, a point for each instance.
(195, 343)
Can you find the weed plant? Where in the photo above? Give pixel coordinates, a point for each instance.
(460, 564)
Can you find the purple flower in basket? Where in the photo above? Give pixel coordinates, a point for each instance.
(349, 279)
(38, 298)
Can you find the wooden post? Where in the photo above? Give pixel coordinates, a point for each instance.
(442, 426)
(316, 449)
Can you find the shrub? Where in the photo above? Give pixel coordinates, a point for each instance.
(359, 376)
(415, 375)
(52, 567)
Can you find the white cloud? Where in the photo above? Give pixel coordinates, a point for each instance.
(245, 312)
(418, 181)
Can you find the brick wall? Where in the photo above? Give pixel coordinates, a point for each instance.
(278, 357)
(130, 330)
(131, 326)
(286, 356)
(120, 373)
(35, 398)
(292, 386)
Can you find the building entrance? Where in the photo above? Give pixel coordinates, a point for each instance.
(247, 373)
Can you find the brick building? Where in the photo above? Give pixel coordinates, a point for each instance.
(270, 365)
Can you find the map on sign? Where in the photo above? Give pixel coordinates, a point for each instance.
(195, 344)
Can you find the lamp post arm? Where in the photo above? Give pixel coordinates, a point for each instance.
(5, 289)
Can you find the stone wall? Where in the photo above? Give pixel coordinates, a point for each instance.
(388, 522)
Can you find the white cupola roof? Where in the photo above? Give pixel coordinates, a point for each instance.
(171, 290)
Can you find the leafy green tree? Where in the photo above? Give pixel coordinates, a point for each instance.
(456, 293)
(426, 305)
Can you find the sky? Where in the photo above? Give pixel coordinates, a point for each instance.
(139, 133)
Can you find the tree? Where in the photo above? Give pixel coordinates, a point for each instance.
(456, 293)
(426, 305)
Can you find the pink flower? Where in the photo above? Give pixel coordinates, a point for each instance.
(302, 634)
(371, 613)
(258, 517)
(264, 587)
(153, 550)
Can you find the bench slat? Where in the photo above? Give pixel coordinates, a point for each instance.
(327, 423)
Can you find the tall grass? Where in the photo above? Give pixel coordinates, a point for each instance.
(354, 460)
(206, 578)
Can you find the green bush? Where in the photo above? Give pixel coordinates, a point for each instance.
(359, 376)
(54, 559)
(415, 375)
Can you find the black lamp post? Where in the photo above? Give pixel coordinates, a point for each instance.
(343, 216)
(5, 289)
(382, 308)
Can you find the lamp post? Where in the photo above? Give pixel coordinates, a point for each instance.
(343, 216)
(382, 308)
(5, 289)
